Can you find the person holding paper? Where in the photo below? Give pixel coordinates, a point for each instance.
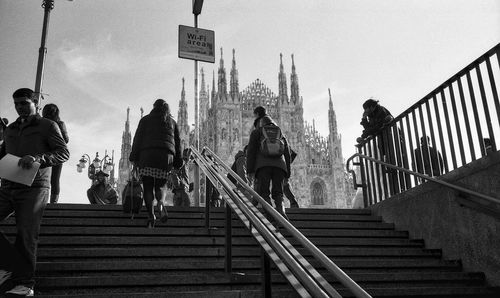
(34, 140)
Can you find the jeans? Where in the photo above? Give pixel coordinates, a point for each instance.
(274, 177)
(28, 205)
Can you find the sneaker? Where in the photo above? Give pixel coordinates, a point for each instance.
(4, 276)
(22, 290)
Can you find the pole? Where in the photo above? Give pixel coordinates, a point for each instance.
(196, 128)
(47, 5)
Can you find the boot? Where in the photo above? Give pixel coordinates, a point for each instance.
(54, 198)
(280, 208)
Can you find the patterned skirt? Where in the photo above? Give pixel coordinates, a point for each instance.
(153, 172)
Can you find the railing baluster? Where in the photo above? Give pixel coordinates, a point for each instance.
(486, 109)
(476, 115)
(414, 161)
(207, 204)
(265, 274)
(466, 117)
(431, 129)
(404, 154)
(495, 94)
(428, 151)
(417, 137)
(448, 129)
(457, 124)
(371, 181)
(378, 147)
(440, 133)
(398, 160)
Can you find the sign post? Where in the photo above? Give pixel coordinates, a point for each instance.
(198, 45)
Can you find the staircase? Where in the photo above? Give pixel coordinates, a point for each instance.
(97, 251)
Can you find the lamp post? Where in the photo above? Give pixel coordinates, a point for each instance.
(106, 165)
(197, 5)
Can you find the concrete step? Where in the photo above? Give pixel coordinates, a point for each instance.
(210, 251)
(394, 292)
(99, 208)
(55, 241)
(50, 213)
(164, 230)
(123, 222)
(359, 263)
(220, 277)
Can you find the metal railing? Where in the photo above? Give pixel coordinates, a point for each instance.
(455, 124)
(462, 190)
(295, 268)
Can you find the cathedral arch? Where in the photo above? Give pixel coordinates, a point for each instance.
(318, 192)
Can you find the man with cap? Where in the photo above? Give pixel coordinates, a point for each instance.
(32, 139)
(101, 192)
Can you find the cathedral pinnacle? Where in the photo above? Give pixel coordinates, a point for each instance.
(234, 84)
(294, 85)
(283, 93)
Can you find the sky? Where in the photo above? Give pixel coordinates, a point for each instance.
(106, 55)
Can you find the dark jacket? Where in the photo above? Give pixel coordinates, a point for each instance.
(256, 160)
(376, 121)
(432, 166)
(154, 140)
(38, 137)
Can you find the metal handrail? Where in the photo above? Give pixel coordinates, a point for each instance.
(327, 263)
(214, 177)
(422, 176)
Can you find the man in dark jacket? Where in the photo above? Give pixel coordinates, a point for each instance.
(268, 169)
(428, 159)
(33, 139)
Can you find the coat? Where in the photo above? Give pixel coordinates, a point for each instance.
(256, 160)
(40, 138)
(154, 141)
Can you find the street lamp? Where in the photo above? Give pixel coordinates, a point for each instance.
(106, 165)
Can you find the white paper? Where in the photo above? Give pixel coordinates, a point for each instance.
(10, 170)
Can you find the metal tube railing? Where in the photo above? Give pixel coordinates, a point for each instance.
(267, 234)
(457, 135)
(323, 259)
(422, 176)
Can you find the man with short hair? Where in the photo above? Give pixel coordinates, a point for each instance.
(33, 139)
(269, 168)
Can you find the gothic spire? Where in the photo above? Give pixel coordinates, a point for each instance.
(294, 85)
(222, 82)
(214, 93)
(283, 96)
(182, 115)
(234, 87)
(332, 118)
(203, 91)
(127, 123)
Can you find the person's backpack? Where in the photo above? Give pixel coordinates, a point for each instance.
(272, 143)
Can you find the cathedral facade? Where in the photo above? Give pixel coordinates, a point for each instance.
(226, 119)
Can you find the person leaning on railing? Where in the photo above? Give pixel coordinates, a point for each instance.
(375, 117)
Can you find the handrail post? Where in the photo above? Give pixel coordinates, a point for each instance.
(363, 178)
(265, 274)
(207, 204)
(228, 243)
